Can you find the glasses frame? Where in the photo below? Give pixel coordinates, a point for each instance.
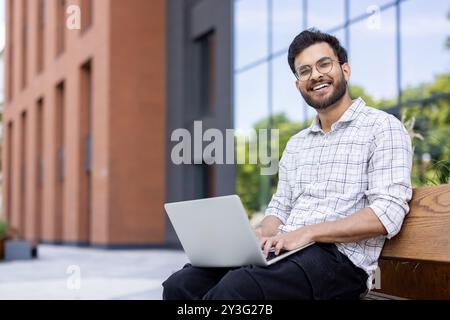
(315, 65)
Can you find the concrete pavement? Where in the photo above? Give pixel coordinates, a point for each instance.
(63, 272)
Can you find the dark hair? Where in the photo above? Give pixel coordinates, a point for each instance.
(311, 36)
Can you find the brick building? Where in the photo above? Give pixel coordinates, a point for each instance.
(88, 114)
(84, 119)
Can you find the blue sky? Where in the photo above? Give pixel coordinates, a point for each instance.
(372, 52)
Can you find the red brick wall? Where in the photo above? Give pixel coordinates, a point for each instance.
(125, 44)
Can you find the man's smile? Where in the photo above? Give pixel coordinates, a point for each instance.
(321, 88)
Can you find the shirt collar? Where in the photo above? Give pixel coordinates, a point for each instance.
(349, 115)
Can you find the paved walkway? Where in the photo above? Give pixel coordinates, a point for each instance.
(104, 274)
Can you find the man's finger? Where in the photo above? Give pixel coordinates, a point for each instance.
(279, 246)
(267, 246)
(262, 241)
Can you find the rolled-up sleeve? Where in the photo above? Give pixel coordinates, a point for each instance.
(280, 204)
(389, 174)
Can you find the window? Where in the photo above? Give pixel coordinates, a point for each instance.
(361, 7)
(325, 15)
(207, 63)
(251, 103)
(205, 187)
(287, 22)
(86, 7)
(60, 26)
(59, 158)
(11, 54)
(10, 175)
(39, 136)
(23, 172)
(59, 125)
(39, 142)
(397, 49)
(373, 57)
(24, 62)
(287, 99)
(86, 113)
(40, 21)
(85, 176)
(423, 23)
(251, 32)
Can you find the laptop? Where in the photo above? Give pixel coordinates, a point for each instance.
(215, 232)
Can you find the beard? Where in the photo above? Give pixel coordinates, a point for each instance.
(322, 103)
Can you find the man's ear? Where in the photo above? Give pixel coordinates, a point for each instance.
(297, 84)
(347, 71)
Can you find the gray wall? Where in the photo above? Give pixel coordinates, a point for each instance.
(188, 20)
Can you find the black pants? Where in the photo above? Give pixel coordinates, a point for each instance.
(318, 272)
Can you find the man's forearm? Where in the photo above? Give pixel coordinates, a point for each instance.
(269, 226)
(361, 225)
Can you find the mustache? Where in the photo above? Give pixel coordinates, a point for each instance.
(313, 83)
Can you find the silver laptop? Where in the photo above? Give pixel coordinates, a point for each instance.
(215, 232)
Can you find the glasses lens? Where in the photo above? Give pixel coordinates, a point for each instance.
(324, 66)
(304, 73)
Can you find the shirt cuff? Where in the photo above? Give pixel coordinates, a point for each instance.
(390, 226)
(270, 212)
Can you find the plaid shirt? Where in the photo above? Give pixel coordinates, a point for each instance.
(364, 161)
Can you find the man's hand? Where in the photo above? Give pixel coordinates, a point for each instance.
(259, 233)
(267, 228)
(288, 241)
(260, 236)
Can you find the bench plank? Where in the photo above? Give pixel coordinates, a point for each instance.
(425, 234)
(414, 279)
(372, 295)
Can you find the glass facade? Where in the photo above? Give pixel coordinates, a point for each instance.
(399, 53)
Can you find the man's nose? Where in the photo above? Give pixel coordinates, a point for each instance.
(315, 74)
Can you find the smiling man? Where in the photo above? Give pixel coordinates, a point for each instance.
(344, 183)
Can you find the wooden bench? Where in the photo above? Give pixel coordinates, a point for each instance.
(423, 239)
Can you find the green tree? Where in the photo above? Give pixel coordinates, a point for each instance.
(255, 189)
(357, 91)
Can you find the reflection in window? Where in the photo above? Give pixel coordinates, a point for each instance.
(287, 99)
(325, 15)
(287, 22)
(371, 43)
(361, 7)
(250, 31)
(340, 34)
(373, 57)
(423, 23)
(251, 97)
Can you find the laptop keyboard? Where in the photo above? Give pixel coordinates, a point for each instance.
(272, 255)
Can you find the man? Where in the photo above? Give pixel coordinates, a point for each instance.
(344, 183)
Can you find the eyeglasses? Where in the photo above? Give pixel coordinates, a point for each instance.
(323, 66)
